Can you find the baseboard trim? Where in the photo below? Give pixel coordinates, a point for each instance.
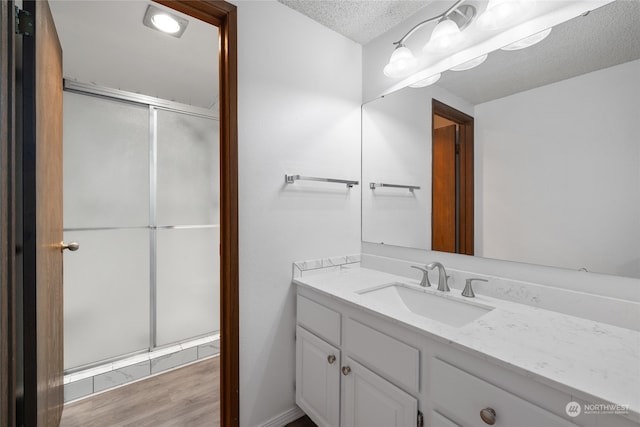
(284, 418)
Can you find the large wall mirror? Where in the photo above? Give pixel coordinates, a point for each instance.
(556, 150)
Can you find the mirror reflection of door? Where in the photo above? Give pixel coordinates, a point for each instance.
(452, 180)
(445, 185)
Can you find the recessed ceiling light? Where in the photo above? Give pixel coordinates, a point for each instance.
(164, 21)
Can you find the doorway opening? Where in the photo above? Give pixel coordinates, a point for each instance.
(452, 180)
(42, 359)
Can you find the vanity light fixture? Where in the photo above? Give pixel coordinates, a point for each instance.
(445, 35)
(448, 33)
(470, 64)
(426, 82)
(166, 22)
(528, 41)
(500, 13)
(402, 62)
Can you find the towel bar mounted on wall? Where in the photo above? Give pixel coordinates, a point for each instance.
(290, 179)
(374, 185)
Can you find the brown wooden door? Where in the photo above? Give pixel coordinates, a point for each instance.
(443, 224)
(42, 220)
(7, 219)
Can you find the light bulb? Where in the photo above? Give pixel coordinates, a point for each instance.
(470, 64)
(426, 82)
(500, 13)
(165, 23)
(528, 41)
(401, 63)
(445, 36)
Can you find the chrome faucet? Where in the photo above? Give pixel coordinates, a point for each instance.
(425, 276)
(468, 290)
(442, 276)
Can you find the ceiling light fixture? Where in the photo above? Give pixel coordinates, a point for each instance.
(528, 41)
(164, 21)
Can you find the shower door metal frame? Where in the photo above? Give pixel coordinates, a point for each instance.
(154, 105)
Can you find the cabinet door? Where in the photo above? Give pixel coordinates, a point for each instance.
(317, 378)
(370, 401)
(439, 420)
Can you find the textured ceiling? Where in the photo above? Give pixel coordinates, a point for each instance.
(605, 37)
(359, 20)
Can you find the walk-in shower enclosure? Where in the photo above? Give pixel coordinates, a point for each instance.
(141, 197)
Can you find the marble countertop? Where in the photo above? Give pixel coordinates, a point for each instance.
(597, 362)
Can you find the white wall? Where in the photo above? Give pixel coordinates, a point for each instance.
(299, 113)
(558, 174)
(396, 149)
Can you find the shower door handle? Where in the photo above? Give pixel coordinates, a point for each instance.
(73, 246)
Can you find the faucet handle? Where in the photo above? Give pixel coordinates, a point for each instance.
(468, 290)
(425, 276)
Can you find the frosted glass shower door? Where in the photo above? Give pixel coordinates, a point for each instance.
(106, 295)
(106, 210)
(106, 163)
(188, 215)
(188, 283)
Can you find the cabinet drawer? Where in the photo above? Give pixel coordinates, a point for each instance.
(319, 319)
(395, 360)
(462, 396)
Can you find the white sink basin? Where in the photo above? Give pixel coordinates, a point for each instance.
(425, 303)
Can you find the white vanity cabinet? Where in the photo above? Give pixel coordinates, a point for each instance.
(355, 368)
(337, 390)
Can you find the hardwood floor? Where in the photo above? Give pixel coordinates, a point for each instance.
(186, 397)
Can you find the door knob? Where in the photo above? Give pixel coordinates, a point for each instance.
(73, 246)
(331, 359)
(346, 370)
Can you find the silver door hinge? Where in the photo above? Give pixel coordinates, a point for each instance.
(24, 22)
(420, 419)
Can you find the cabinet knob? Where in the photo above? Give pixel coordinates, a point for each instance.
(346, 370)
(488, 415)
(331, 358)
